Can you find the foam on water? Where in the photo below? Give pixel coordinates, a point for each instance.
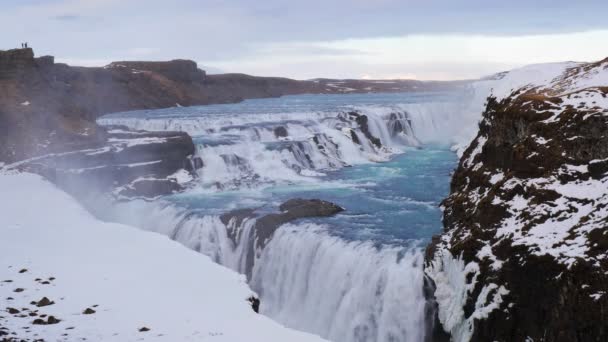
(297, 138)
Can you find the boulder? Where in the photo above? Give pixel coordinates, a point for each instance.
(280, 132)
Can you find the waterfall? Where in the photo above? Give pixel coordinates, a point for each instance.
(251, 150)
(306, 278)
(343, 291)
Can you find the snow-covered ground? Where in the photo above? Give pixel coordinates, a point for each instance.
(136, 285)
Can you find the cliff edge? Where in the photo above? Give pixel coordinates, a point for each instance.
(47, 124)
(524, 255)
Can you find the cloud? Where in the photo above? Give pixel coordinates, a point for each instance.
(303, 49)
(439, 57)
(141, 51)
(233, 34)
(67, 17)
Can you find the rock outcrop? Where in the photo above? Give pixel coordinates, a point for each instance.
(524, 256)
(266, 224)
(130, 164)
(47, 121)
(289, 211)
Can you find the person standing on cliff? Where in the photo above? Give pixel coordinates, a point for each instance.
(26, 45)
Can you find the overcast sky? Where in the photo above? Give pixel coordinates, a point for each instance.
(422, 39)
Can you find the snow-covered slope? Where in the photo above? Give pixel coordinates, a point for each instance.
(135, 285)
(525, 252)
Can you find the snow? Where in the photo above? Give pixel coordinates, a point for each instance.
(181, 176)
(131, 278)
(569, 218)
(598, 295)
(497, 177)
(450, 275)
(137, 141)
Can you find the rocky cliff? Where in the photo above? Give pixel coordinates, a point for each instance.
(524, 255)
(47, 122)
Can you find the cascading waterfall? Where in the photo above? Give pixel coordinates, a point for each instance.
(344, 291)
(308, 278)
(258, 149)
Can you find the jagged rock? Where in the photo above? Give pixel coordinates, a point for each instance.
(88, 311)
(280, 132)
(255, 303)
(137, 163)
(526, 222)
(361, 120)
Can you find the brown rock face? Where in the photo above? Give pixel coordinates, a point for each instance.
(527, 214)
(15, 62)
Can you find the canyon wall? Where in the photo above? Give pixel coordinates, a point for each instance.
(524, 256)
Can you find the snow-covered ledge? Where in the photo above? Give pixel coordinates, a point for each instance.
(111, 282)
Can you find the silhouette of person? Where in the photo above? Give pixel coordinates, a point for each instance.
(26, 45)
(22, 45)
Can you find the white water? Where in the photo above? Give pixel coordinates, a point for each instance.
(244, 150)
(344, 291)
(307, 279)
